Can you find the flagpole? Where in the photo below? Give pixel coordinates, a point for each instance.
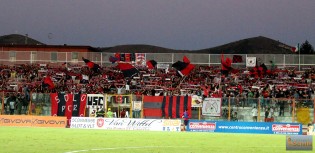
(181, 81)
(2, 104)
(30, 104)
(299, 56)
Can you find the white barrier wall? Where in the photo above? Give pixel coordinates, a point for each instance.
(126, 124)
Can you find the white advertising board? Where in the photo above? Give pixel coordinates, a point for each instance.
(125, 124)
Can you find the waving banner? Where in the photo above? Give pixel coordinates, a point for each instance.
(211, 107)
(67, 104)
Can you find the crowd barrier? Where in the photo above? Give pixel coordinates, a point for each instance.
(102, 58)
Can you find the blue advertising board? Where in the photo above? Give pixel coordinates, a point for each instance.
(245, 127)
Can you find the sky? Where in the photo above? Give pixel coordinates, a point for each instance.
(175, 24)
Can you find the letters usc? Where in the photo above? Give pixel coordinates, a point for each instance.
(32, 121)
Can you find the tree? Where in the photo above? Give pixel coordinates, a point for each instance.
(306, 48)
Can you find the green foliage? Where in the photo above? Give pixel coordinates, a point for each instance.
(306, 48)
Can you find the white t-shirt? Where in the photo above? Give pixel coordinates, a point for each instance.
(271, 112)
(254, 112)
(85, 77)
(127, 87)
(12, 104)
(119, 90)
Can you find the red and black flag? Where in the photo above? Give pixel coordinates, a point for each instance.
(186, 60)
(47, 82)
(183, 68)
(122, 57)
(113, 59)
(127, 69)
(166, 106)
(67, 104)
(151, 64)
(91, 65)
(64, 64)
(237, 59)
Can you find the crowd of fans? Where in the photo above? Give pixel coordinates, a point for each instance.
(206, 81)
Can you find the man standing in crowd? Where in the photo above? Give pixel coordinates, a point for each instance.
(12, 102)
(266, 114)
(100, 113)
(19, 104)
(109, 113)
(123, 113)
(281, 103)
(254, 113)
(186, 119)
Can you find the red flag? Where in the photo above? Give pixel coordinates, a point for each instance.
(237, 59)
(127, 57)
(225, 64)
(186, 60)
(296, 48)
(117, 55)
(48, 82)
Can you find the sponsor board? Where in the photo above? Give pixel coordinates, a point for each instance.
(83, 122)
(32, 121)
(245, 127)
(171, 125)
(285, 128)
(202, 126)
(125, 124)
(299, 142)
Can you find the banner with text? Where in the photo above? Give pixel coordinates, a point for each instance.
(245, 127)
(32, 121)
(125, 124)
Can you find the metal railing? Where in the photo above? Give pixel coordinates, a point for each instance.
(24, 57)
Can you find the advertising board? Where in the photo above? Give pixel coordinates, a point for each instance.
(32, 121)
(245, 127)
(125, 124)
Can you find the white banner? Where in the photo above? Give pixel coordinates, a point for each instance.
(95, 100)
(94, 103)
(211, 107)
(125, 124)
(162, 66)
(250, 61)
(140, 59)
(196, 101)
(137, 105)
